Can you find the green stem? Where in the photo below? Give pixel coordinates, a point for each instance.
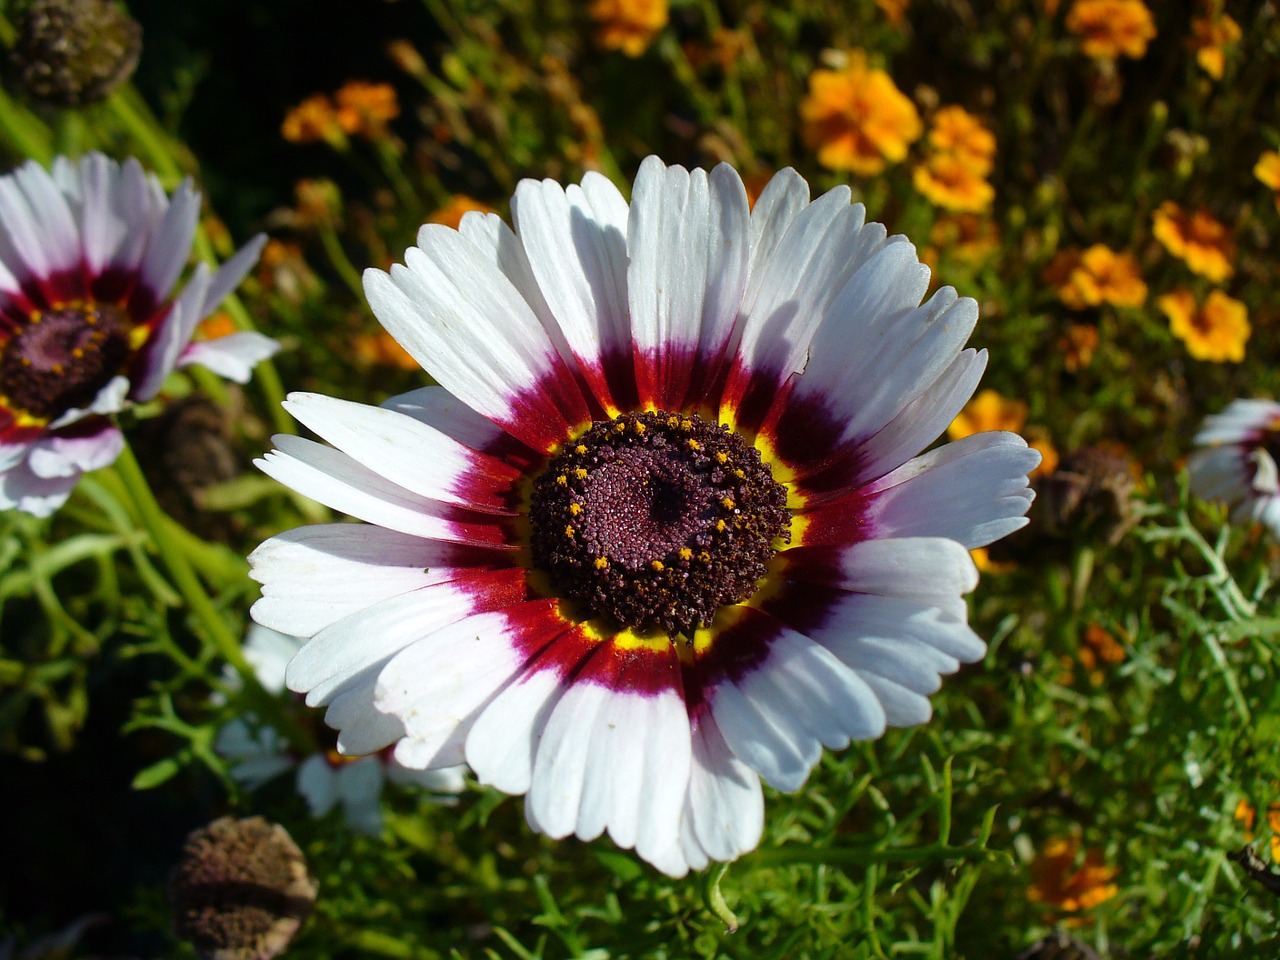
(214, 627)
(341, 262)
(143, 127)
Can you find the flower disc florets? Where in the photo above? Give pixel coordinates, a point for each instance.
(657, 520)
(62, 358)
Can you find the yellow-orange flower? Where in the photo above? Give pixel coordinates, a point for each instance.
(1097, 275)
(1197, 238)
(459, 204)
(365, 108)
(218, 325)
(857, 119)
(982, 560)
(1077, 345)
(956, 131)
(1247, 817)
(947, 181)
(382, 350)
(628, 25)
(1061, 878)
(1038, 440)
(965, 237)
(1111, 28)
(312, 120)
(893, 10)
(1211, 36)
(1217, 330)
(988, 411)
(1267, 169)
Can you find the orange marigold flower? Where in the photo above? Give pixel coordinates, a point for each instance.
(1247, 817)
(365, 108)
(312, 120)
(1038, 440)
(949, 182)
(1211, 36)
(1217, 330)
(1110, 28)
(965, 236)
(1097, 275)
(382, 350)
(988, 411)
(857, 119)
(218, 325)
(1267, 169)
(956, 131)
(1063, 879)
(628, 25)
(1199, 239)
(893, 10)
(1101, 645)
(459, 205)
(982, 560)
(1077, 346)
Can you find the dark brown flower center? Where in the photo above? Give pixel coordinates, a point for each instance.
(657, 520)
(60, 359)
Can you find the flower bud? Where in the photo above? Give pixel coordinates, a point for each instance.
(72, 52)
(240, 890)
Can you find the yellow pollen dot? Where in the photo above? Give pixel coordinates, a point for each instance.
(720, 526)
(57, 368)
(672, 422)
(740, 474)
(562, 480)
(685, 553)
(619, 427)
(657, 565)
(580, 473)
(722, 457)
(704, 556)
(686, 424)
(638, 427)
(575, 508)
(568, 532)
(78, 353)
(580, 449)
(601, 563)
(694, 445)
(728, 503)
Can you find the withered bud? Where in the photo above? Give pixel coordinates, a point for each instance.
(1090, 494)
(72, 52)
(240, 890)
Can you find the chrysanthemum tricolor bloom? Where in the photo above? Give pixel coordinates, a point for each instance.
(658, 534)
(89, 256)
(1237, 462)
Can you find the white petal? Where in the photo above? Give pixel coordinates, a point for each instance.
(406, 451)
(171, 244)
(690, 246)
(779, 715)
(334, 479)
(503, 742)
(232, 356)
(63, 455)
(724, 809)
(358, 785)
(317, 784)
(974, 490)
(362, 642)
(269, 652)
(313, 576)
(438, 408)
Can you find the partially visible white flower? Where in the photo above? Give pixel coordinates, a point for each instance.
(325, 780)
(1237, 462)
(90, 255)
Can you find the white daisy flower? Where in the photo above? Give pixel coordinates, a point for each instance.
(325, 780)
(661, 531)
(89, 256)
(1238, 461)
